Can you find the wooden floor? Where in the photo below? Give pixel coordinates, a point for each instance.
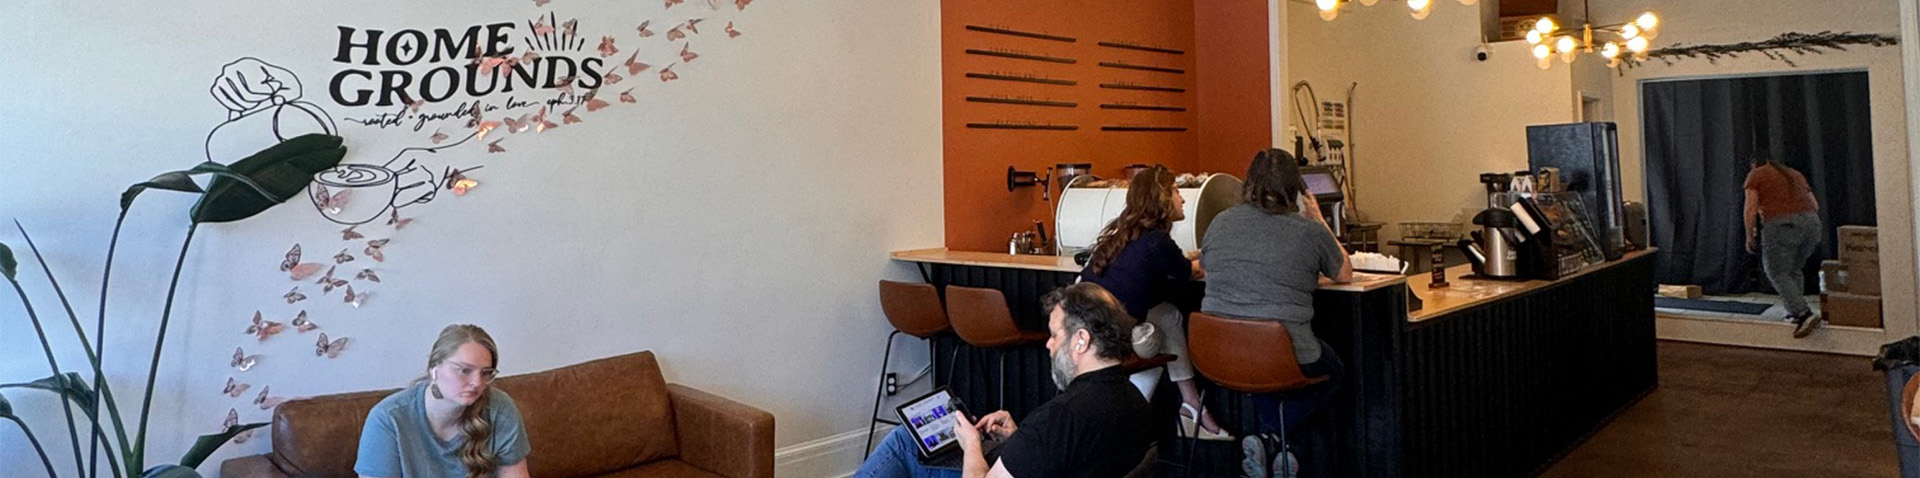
(1730, 411)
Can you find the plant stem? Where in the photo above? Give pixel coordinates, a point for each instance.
(137, 459)
(66, 406)
(93, 440)
(36, 444)
(99, 377)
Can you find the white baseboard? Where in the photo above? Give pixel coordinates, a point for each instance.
(835, 456)
(1770, 335)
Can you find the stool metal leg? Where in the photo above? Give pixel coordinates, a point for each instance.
(1003, 378)
(879, 391)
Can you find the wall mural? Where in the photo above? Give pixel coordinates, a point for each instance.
(497, 84)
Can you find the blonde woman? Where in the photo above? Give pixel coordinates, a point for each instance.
(450, 423)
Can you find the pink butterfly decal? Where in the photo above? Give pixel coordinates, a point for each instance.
(263, 328)
(394, 220)
(741, 4)
(565, 84)
(606, 47)
(529, 58)
(296, 269)
(242, 361)
(414, 106)
(667, 74)
(265, 402)
(233, 420)
(732, 33)
(612, 78)
(671, 3)
(328, 282)
(644, 32)
(343, 257)
(487, 127)
(494, 147)
(634, 67)
(542, 28)
(675, 34)
(293, 259)
(349, 234)
(294, 296)
(541, 3)
(568, 117)
(234, 388)
(458, 182)
(517, 125)
(627, 96)
(375, 249)
(540, 123)
(329, 349)
(567, 27)
(438, 136)
(686, 53)
(333, 201)
(693, 25)
(303, 324)
(355, 299)
(594, 103)
(367, 275)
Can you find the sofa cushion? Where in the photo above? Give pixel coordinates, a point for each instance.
(595, 417)
(320, 436)
(663, 469)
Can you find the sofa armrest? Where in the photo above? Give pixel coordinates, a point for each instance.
(255, 466)
(719, 435)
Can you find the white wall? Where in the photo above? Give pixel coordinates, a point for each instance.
(1730, 21)
(1428, 119)
(733, 221)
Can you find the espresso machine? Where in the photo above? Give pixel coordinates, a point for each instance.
(1494, 250)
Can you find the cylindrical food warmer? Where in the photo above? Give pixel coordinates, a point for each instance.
(1085, 209)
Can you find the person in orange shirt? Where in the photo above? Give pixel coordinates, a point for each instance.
(1781, 201)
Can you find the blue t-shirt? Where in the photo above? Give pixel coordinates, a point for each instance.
(1144, 273)
(397, 441)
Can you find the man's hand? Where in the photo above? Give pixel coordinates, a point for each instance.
(247, 84)
(969, 437)
(998, 425)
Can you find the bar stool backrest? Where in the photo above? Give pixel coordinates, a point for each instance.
(913, 308)
(981, 318)
(1254, 356)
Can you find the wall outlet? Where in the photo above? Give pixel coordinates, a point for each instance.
(893, 384)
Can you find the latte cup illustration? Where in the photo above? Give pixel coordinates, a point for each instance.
(353, 193)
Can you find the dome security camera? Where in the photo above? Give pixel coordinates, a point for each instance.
(1482, 53)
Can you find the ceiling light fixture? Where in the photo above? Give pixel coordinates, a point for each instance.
(1631, 38)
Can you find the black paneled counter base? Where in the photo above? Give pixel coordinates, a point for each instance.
(1488, 380)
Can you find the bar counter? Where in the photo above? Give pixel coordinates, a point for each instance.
(1489, 379)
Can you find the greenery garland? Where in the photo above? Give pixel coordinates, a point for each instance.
(1776, 48)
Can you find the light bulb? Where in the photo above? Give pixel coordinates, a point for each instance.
(1533, 37)
(1329, 15)
(1613, 63)
(1468, 2)
(1612, 50)
(1567, 56)
(1637, 44)
(1421, 8)
(1369, 2)
(1564, 44)
(1545, 25)
(1545, 63)
(1647, 21)
(1650, 34)
(1541, 51)
(1629, 31)
(1326, 4)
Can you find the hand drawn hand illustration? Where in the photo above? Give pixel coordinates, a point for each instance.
(248, 84)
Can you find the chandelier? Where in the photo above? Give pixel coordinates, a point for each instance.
(1610, 41)
(1329, 9)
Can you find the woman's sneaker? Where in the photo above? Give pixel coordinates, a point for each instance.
(1285, 465)
(1804, 325)
(1256, 456)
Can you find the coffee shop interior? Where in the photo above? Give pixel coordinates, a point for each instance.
(1587, 237)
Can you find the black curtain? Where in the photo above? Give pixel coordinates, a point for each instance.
(1698, 137)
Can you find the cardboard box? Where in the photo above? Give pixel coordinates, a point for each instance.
(1833, 277)
(1851, 310)
(1680, 291)
(1859, 246)
(1863, 280)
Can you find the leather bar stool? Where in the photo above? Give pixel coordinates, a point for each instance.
(1248, 356)
(982, 319)
(913, 309)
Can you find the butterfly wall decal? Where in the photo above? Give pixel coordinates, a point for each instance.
(644, 32)
(675, 34)
(568, 117)
(542, 28)
(329, 349)
(367, 275)
(606, 47)
(234, 388)
(693, 25)
(331, 201)
(267, 402)
(494, 147)
(732, 33)
(349, 234)
(567, 28)
(296, 269)
(667, 74)
(741, 4)
(612, 78)
(303, 324)
(393, 219)
(328, 282)
(634, 66)
(355, 299)
(686, 53)
(627, 96)
(376, 249)
(438, 137)
(233, 420)
(263, 328)
(242, 361)
(294, 296)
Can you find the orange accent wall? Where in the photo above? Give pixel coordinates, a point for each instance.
(980, 212)
(1230, 43)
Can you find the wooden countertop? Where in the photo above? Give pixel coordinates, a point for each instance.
(1362, 282)
(1464, 293)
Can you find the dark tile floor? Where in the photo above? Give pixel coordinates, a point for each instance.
(1730, 411)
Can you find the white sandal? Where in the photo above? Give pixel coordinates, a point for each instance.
(1190, 426)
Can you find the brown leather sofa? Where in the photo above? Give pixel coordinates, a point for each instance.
(614, 417)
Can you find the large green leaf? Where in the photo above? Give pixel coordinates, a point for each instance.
(170, 471)
(8, 266)
(206, 444)
(281, 172)
(68, 385)
(6, 407)
(171, 181)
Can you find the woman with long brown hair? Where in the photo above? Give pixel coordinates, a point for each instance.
(1781, 201)
(1136, 259)
(450, 423)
